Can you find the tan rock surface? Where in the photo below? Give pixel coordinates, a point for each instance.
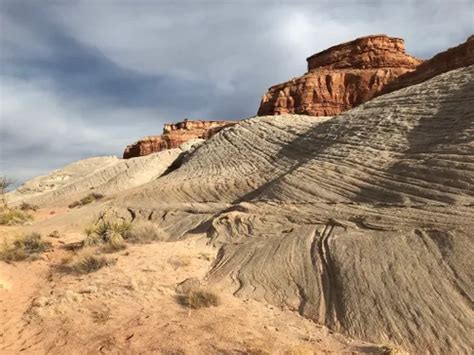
(360, 222)
(105, 175)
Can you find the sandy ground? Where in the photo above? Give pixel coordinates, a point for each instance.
(131, 308)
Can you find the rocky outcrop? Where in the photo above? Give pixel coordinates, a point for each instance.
(175, 134)
(341, 77)
(360, 222)
(453, 58)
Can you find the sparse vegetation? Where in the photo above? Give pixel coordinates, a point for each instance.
(85, 262)
(5, 183)
(25, 206)
(10, 216)
(109, 234)
(199, 298)
(13, 216)
(93, 196)
(102, 316)
(143, 232)
(54, 234)
(28, 246)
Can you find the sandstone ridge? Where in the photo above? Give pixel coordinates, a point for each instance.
(175, 134)
(453, 58)
(341, 77)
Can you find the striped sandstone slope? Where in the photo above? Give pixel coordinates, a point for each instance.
(361, 222)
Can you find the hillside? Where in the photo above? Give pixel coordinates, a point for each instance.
(356, 222)
(349, 233)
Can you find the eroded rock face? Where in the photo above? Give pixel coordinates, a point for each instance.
(341, 77)
(453, 58)
(175, 134)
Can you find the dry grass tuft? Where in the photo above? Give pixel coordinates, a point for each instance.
(54, 234)
(144, 232)
(13, 216)
(25, 206)
(93, 196)
(102, 316)
(85, 262)
(108, 234)
(200, 298)
(28, 246)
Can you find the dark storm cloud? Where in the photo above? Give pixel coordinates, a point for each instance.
(83, 78)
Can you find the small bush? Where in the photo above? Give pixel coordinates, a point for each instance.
(85, 262)
(27, 246)
(108, 234)
(54, 234)
(143, 232)
(13, 216)
(93, 196)
(201, 298)
(25, 206)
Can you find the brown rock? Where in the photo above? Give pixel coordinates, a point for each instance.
(453, 58)
(341, 77)
(175, 134)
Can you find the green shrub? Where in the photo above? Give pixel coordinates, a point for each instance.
(144, 232)
(200, 298)
(13, 216)
(93, 196)
(27, 246)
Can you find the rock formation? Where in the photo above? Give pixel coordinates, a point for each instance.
(453, 58)
(341, 77)
(360, 222)
(175, 134)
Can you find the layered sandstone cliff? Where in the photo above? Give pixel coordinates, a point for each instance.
(175, 134)
(341, 77)
(453, 58)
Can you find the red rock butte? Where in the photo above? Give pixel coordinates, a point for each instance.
(341, 77)
(457, 57)
(175, 134)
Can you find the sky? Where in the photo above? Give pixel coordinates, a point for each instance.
(83, 78)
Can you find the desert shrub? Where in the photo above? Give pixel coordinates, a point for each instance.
(109, 234)
(143, 232)
(28, 246)
(85, 262)
(199, 298)
(25, 206)
(54, 234)
(101, 316)
(13, 216)
(93, 196)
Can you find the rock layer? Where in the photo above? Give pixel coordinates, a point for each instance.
(341, 77)
(453, 58)
(175, 134)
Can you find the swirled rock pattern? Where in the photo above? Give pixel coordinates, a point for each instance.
(361, 222)
(341, 78)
